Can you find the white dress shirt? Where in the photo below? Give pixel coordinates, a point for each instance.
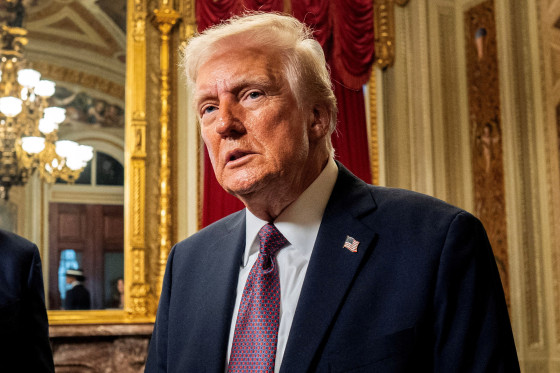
(299, 223)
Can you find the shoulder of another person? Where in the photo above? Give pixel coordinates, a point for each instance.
(14, 247)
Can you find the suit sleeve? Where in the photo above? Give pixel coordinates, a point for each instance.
(34, 321)
(157, 351)
(472, 326)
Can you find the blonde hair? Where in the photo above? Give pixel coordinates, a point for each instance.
(304, 62)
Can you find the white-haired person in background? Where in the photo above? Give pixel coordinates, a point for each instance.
(320, 272)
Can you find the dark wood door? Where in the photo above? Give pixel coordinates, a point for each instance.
(93, 235)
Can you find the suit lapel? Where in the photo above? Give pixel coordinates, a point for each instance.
(217, 300)
(331, 270)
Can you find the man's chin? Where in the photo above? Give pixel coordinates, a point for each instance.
(245, 185)
(240, 192)
(241, 182)
(244, 190)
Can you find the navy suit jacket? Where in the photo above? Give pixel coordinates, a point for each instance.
(24, 329)
(77, 298)
(422, 292)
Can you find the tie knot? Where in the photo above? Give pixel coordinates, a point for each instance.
(271, 240)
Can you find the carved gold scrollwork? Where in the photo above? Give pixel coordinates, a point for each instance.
(139, 20)
(384, 30)
(138, 304)
(165, 19)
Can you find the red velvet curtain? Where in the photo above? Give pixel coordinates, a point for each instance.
(345, 30)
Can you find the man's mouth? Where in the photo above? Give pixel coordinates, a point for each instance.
(236, 155)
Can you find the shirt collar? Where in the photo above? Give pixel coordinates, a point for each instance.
(300, 221)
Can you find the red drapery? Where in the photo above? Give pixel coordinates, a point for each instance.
(345, 30)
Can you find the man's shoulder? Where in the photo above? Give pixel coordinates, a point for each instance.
(414, 214)
(214, 240)
(353, 193)
(215, 231)
(82, 289)
(393, 209)
(403, 199)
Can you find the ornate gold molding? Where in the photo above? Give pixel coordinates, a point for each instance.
(374, 145)
(487, 139)
(137, 301)
(63, 74)
(188, 17)
(384, 30)
(188, 28)
(138, 20)
(165, 18)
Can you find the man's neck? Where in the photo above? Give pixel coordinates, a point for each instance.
(269, 204)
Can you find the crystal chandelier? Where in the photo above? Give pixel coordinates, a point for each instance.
(28, 127)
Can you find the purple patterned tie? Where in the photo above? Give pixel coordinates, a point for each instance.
(256, 331)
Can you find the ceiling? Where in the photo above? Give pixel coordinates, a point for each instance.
(79, 41)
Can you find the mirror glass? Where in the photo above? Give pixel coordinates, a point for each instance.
(81, 46)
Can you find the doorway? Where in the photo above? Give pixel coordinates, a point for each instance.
(89, 237)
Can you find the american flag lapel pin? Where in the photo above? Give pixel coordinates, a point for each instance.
(351, 244)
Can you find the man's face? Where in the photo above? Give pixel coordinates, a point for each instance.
(257, 138)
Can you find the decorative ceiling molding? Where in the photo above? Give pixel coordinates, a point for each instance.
(94, 82)
(72, 26)
(78, 36)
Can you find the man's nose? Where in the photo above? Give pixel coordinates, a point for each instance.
(230, 121)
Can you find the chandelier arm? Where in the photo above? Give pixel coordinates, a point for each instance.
(25, 146)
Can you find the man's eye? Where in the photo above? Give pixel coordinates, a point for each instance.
(253, 95)
(209, 109)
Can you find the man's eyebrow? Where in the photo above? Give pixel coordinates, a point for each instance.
(235, 85)
(203, 96)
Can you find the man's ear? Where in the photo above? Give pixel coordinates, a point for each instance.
(320, 122)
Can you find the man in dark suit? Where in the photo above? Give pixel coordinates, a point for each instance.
(24, 328)
(77, 298)
(321, 272)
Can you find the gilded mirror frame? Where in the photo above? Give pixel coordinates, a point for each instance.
(142, 286)
(139, 304)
